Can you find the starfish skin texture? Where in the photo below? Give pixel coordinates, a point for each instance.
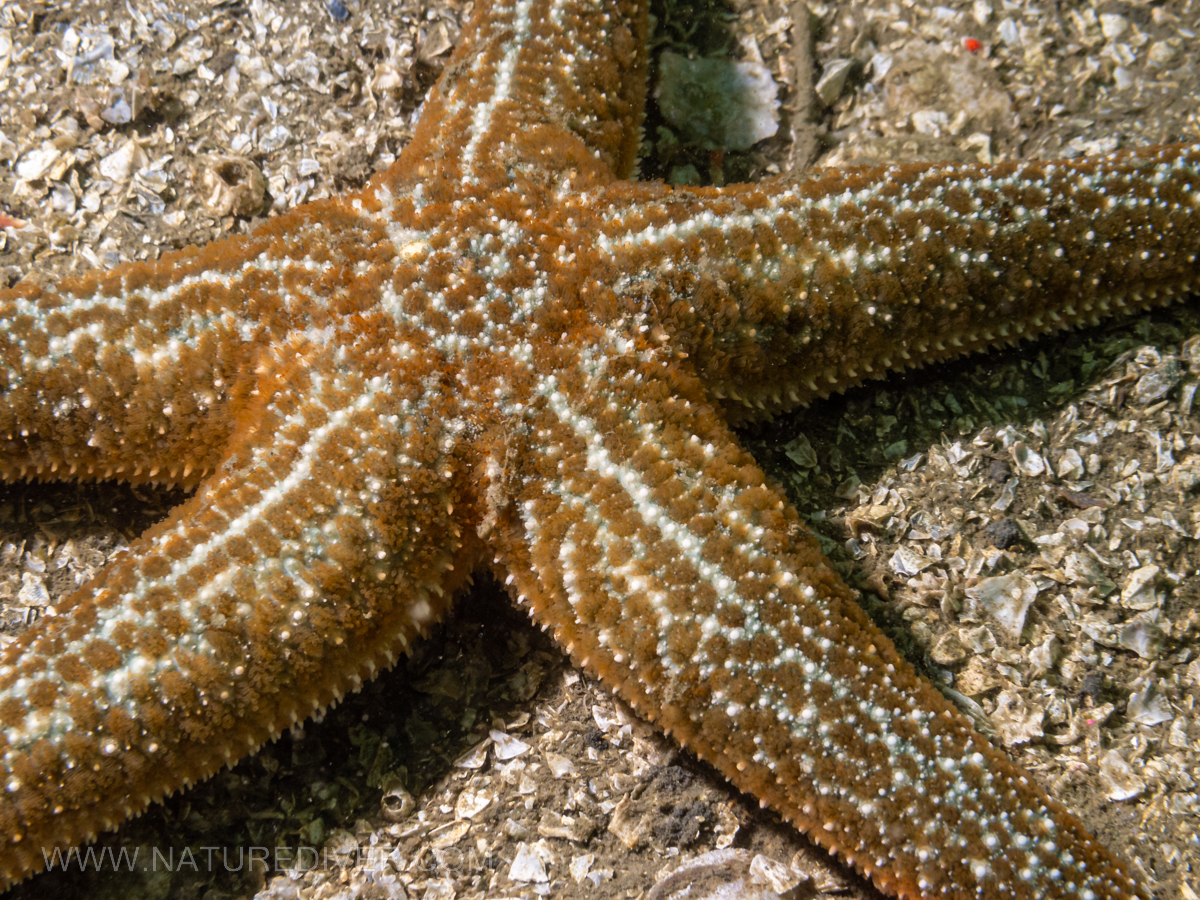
(499, 355)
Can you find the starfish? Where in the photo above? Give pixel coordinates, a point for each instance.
(500, 355)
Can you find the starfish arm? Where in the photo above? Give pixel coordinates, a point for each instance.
(540, 89)
(332, 538)
(654, 549)
(140, 372)
(788, 291)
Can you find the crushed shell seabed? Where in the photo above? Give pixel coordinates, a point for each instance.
(1025, 523)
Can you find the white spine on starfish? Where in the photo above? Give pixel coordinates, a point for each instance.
(481, 120)
(408, 242)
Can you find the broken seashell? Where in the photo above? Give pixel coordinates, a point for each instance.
(232, 186)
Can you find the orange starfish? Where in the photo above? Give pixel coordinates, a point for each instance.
(500, 355)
